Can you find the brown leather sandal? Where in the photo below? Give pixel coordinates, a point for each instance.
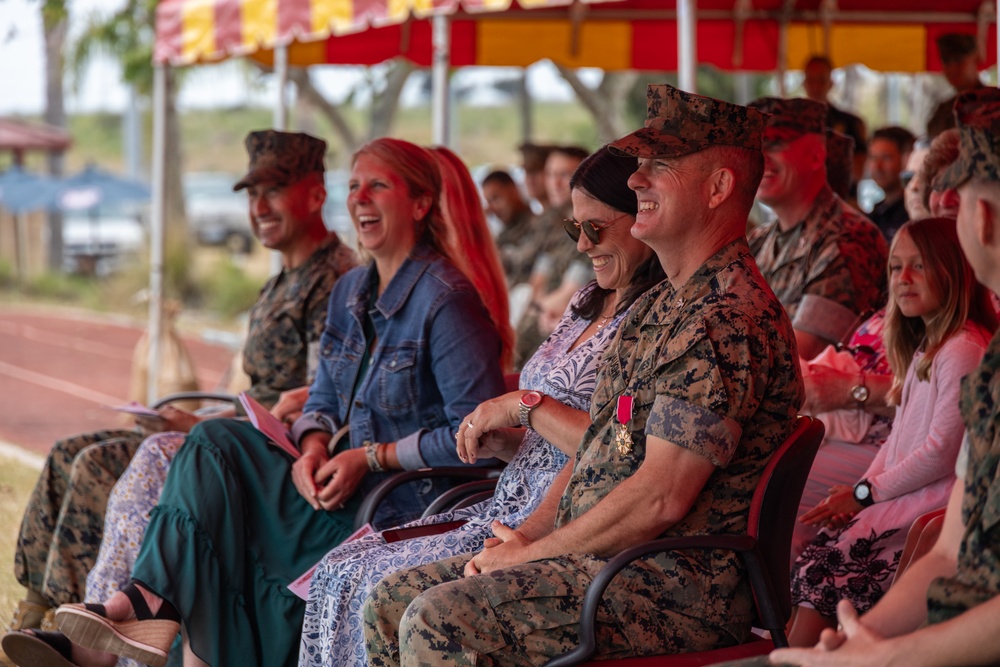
(146, 639)
(38, 649)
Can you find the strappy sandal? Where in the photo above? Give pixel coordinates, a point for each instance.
(146, 639)
(38, 649)
(28, 614)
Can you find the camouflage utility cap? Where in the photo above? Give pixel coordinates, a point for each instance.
(282, 157)
(977, 113)
(679, 123)
(955, 46)
(790, 119)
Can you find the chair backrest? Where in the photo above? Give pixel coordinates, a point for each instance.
(772, 519)
(921, 536)
(456, 497)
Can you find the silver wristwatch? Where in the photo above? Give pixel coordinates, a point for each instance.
(529, 401)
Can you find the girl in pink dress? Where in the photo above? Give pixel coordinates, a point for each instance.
(938, 322)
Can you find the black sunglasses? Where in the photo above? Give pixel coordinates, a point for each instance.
(592, 231)
(905, 177)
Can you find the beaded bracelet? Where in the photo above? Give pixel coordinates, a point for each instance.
(371, 456)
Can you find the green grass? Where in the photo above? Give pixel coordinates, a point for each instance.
(17, 479)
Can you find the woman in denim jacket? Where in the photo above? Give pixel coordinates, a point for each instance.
(408, 350)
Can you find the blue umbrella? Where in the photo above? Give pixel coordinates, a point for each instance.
(86, 191)
(89, 192)
(19, 189)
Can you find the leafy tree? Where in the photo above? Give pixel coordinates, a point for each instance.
(128, 36)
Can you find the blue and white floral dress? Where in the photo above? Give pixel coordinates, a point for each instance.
(332, 633)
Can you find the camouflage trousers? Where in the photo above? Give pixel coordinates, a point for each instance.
(64, 520)
(432, 615)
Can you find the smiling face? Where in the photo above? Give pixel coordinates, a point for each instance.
(786, 166)
(279, 213)
(384, 212)
(671, 197)
(618, 254)
(908, 280)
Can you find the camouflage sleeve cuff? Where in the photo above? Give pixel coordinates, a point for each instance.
(312, 421)
(824, 318)
(408, 452)
(694, 428)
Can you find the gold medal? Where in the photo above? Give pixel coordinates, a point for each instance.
(623, 437)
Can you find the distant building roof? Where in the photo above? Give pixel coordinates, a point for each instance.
(19, 136)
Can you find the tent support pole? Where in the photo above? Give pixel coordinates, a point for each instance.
(686, 45)
(280, 120)
(441, 40)
(524, 102)
(281, 72)
(157, 229)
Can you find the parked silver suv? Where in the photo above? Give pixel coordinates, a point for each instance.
(216, 214)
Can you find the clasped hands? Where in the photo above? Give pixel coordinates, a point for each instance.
(504, 550)
(482, 432)
(328, 482)
(850, 645)
(834, 511)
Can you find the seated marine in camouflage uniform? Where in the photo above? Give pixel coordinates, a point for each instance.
(945, 608)
(698, 389)
(63, 523)
(824, 259)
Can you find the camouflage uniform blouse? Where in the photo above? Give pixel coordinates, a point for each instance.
(827, 270)
(712, 368)
(286, 322)
(978, 577)
(518, 247)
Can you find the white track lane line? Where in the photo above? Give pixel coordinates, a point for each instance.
(49, 382)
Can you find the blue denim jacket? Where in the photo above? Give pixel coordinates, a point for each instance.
(436, 359)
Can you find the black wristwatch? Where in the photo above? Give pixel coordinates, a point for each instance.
(863, 493)
(529, 401)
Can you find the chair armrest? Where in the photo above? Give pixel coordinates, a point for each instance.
(600, 583)
(371, 502)
(446, 500)
(195, 396)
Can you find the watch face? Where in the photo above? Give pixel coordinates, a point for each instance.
(531, 399)
(860, 393)
(862, 491)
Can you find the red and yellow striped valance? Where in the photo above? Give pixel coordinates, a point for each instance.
(886, 35)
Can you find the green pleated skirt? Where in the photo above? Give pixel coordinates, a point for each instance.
(228, 536)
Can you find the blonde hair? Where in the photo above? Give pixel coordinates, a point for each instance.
(469, 245)
(455, 224)
(950, 278)
(418, 169)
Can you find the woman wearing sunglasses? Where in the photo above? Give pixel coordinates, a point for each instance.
(536, 428)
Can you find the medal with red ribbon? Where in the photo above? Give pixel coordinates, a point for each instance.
(623, 413)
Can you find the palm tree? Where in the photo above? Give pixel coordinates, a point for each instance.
(54, 25)
(128, 36)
